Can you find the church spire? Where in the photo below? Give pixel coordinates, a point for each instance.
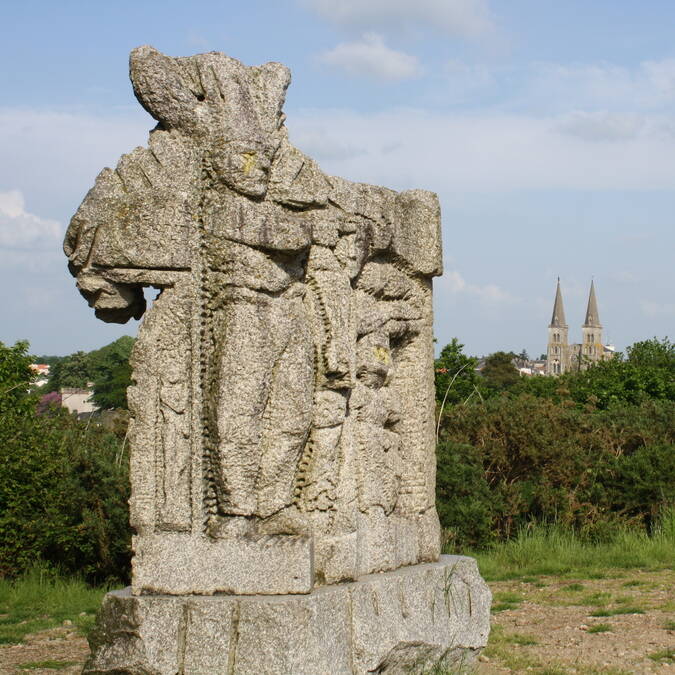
(592, 316)
(558, 316)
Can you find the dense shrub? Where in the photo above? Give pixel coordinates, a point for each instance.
(63, 496)
(466, 507)
(544, 461)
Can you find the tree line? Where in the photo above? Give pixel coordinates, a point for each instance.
(106, 371)
(591, 451)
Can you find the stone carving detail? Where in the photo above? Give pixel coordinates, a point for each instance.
(282, 431)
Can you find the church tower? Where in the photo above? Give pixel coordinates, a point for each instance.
(591, 341)
(557, 352)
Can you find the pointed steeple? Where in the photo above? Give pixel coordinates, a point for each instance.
(558, 316)
(592, 316)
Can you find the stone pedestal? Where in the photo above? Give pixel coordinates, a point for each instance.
(404, 621)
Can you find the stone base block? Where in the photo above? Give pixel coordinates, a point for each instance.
(405, 621)
(177, 564)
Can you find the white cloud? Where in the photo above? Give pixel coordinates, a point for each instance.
(370, 57)
(466, 18)
(454, 283)
(655, 309)
(548, 88)
(661, 74)
(318, 142)
(601, 126)
(54, 156)
(480, 152)
(20, 229)
(649, 85)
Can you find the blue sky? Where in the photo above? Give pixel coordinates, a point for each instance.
(547, 129)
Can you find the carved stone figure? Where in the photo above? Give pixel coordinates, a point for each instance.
(282, 412)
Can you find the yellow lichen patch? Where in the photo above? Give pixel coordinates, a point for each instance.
(382, 354)
(249, 161)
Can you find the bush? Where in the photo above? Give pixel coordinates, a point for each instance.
(466, 507)
(518, 460)
(63, 497)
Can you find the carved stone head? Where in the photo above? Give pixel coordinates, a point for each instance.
(231, 110)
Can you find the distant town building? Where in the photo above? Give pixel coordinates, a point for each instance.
(42, 372)
(77, 400)
(529, 367)
(562, 357)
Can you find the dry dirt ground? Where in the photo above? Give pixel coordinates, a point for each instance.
(62, 650)
(542, 626)
(546, 626)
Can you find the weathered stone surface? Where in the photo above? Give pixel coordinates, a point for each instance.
(283, 377)
(403, 621)
(282, 413)
(174, 562)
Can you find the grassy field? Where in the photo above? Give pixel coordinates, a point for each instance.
(554, 551)
(42, 600)
(565, 606)
(560, 605)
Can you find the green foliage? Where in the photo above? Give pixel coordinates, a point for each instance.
(70, 371)
(619, 381)
(107, 368)
(499, 372)
(111, 373)
(552, 549)
(465, 504)
(43, 599)
(653, 353)
(15, 378)
(63, 497)
(592, 451)
(51, 361)
(456, 378)
(647, 373)
(525, 459)
(666, 655)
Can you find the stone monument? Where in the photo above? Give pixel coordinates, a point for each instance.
(282, 433)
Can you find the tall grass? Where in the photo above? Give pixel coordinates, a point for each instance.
(43, 599)
(542, 550)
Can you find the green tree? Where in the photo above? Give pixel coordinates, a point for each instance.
(499, 372)
(16, 377)
(51, 361)
(653, 353)
(106, 368)
(456, 378)
(111, 373)
(70, 371)
(110, 388)
(619, 380)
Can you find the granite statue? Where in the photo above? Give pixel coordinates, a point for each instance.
(282, 435)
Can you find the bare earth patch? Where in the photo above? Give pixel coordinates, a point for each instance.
(547, 626)
(56, 650)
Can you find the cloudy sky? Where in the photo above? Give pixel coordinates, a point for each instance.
(546, 127)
